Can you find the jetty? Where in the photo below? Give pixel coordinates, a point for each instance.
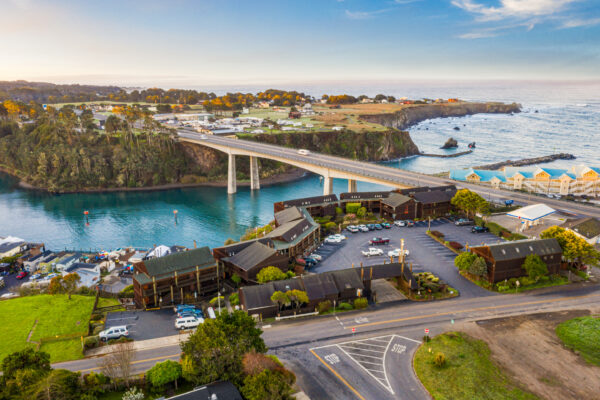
(462, 153)
(527, 161)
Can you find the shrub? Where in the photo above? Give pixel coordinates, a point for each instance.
(235, 278)
(455, 245)
(96, 316)
(362, 212)
(439, 360)
(215, 301)
(338, 211)
(349, 217)
(127, 289)
(234, 299)
(352, 208)
(91, 342)
(345, 306)
(324, 306)
(330, 226)
(479, 267)
(361, 303)
(535, 267)
(437, 234)
(464, 260)
(97, 328)
(270, 273)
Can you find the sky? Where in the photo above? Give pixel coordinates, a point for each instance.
(179, 43)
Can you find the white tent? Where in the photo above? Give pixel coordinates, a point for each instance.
(531, 215)
(158, 251)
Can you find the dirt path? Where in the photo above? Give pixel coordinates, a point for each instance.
(528, 349)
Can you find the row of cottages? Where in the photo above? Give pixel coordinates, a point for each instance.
(175, 278)
(295, 234)
(577, 180)
(339, 286)
(586, 228)
(505, 260)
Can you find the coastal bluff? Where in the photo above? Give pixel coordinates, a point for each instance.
(412, 115)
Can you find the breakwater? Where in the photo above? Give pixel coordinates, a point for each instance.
(462, 153)
(527, 161)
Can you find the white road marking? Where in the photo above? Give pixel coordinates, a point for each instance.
(358, 348)
(361, 355)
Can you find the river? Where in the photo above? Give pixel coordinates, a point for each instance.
(566, 121)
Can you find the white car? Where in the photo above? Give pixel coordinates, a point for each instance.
(188, 322)
(352, 228)
(397, 252)
(316, 257)
(363, 228)
(372, 252)
(115, 332)
(304, 152)
(400, 223)
(203, 137)
(332, 239)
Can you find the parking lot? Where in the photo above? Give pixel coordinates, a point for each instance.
(143, 325)
(426, 254)
(371, 367)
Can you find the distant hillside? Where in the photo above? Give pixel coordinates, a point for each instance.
(43, 92)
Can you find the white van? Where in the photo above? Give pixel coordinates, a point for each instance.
(188, 322)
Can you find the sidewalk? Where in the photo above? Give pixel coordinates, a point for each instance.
(166, 341)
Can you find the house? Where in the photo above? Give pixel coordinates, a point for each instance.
(31, 265)
(307, 109)
(11, 246)
(175, 278)
(370, 200)
(577, 180)
(67, 261)
(89, 274)
(398, 206)
(248, 262)
(586, 228)
(433, 203)
(213, 391)
(505, 260)
(294, 237)
(294, 114)
(318, 206)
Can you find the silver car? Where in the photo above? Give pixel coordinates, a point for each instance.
(115, 332)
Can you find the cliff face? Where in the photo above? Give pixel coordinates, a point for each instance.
(365, 146)
(410, 116)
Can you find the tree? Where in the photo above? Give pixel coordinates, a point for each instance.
(164, 372)
(56, 286)
(254, 363)
(25, 359)
(235, 278)
(269, 385)
(469, 202)
(464, 260)
(269, 274)
(59, 384)
(70, 283)
(575, 249)
(297, 297)
(117, 365)
(215, 350)
(229, 241)
(280, 298)
(478, 267)
(361, 212)
(535, 267)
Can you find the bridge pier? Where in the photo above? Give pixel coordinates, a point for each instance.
(231, 178)
(254, 178)
(327, 185)
(351, 185)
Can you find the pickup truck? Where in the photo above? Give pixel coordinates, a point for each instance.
(379, 240)
(372, 252)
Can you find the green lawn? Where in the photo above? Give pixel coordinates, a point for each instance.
(56, 315)
(583, 335)
(468, 374)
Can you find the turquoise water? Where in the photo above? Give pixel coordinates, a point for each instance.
(567, 120)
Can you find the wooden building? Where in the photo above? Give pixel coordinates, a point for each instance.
(370, 200)
(505, 260)
(175, 278)
(434, 203)
(248, 262)
(398, 206)
(318, 206)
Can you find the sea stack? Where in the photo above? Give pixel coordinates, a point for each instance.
(450, 144)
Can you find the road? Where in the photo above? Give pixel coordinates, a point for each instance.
(394, 176)
(314, 348)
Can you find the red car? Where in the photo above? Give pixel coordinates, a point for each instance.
(22, 275)
(378, 240)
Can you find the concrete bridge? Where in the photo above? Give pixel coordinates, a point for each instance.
(328, 167)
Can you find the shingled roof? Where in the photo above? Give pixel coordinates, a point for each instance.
(288, 215)
(588, 227)
(523, 248)
(311, 201)
(395, 200)
(435, 196)
(201, 257)
(251, 256)
(363, 195)
(319, 286)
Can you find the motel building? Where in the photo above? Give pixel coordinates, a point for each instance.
(577, 180)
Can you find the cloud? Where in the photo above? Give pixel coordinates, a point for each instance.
(577, 22)
(518, 9)
(365, 14)
(477, 35)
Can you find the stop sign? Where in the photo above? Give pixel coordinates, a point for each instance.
(426, 330)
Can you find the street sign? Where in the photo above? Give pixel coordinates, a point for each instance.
(426, 331)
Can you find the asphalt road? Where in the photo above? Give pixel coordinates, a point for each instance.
(393, 175)
(292, 341)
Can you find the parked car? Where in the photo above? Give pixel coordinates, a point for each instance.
(363, 228)
(310, 260)
(372, 251)
(35, 277)
(333, 239)
(397, 252)
(304, 152)
(378, 227)
(180, 307)
(2, 282)
(50, 276)
(352, 228)
(400, 223)
(115, 332)
(188, 322)
(463, 222)
(125, 271)
(479, 229)
(371, 227)
(190, 313)
(386, 225)
(409, 223)
(307, 262)
(316, 256)
(21, 274)
(379, 240)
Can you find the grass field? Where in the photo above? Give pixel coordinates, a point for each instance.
(56, 315)
(469, 373)
(583, 335)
